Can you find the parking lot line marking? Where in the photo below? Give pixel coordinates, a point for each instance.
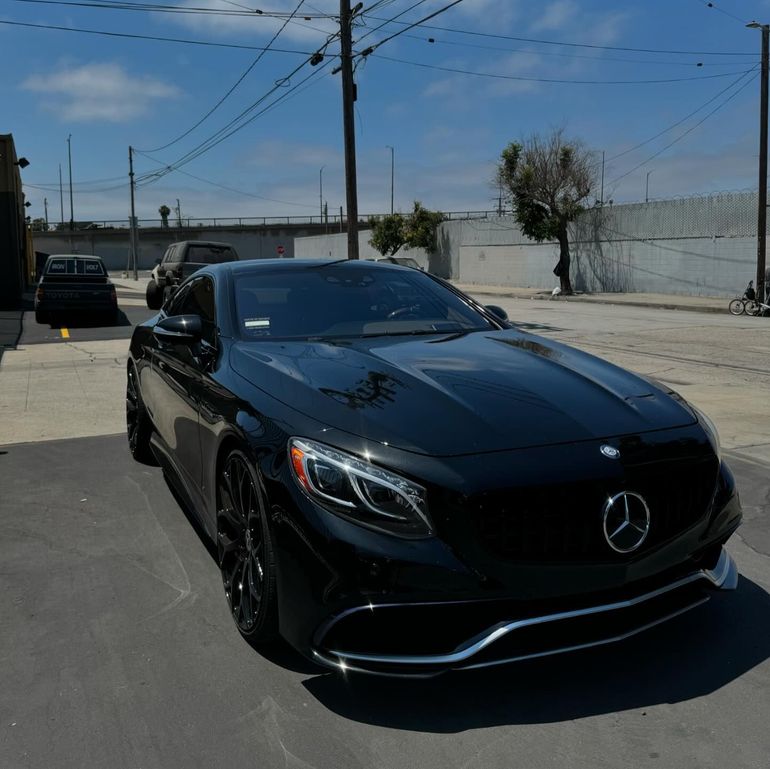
(65, 334)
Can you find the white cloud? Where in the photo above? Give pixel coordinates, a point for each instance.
(556, 15)
(235, 22)
(272, 153)
(99, 91)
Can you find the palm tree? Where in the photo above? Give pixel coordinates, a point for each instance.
(164, 212)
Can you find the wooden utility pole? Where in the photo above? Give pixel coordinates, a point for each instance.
(348, 122)
(61, 200)
(69, 161)
(762, 196)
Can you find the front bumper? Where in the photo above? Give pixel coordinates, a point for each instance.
(527, 637)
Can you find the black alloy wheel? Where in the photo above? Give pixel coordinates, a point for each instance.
(245, 550)
(138, 424)
(154, 295)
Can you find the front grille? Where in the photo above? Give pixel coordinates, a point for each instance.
(564, 522)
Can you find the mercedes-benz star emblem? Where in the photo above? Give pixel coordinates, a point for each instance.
(610, 451)
(626, 521)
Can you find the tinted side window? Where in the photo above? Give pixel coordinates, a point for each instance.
(174, 307)
(199, 254)
(169, 255)
(199, 300)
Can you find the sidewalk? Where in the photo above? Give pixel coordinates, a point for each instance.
(661, 301)
(132, 288)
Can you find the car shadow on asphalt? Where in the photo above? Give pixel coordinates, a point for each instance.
(688, 657)
(278, 652)
(87, 320)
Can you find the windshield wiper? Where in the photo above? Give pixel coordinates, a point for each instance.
(454, 335)
(327, 264)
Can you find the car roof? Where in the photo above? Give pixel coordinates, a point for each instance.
(217, 243)
(245, 266)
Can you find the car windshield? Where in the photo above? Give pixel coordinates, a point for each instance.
(348, 299)
(208, 254)
(71, 265)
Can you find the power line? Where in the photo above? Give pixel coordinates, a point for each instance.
(683, 120)
(158, 8)
(533, 79)
(225, 187)
(235, 85)
(232, 127)
(685, 133)
(410, 26)
(574, 45)
(722, 10)
(437, 41)
(387, 21)
(81, 182)
(155, 38)
(93, 191)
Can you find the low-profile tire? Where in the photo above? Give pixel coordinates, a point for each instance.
(245, 550)
(752, 307)
(154, 295)
(41, 317)
(138, 423)
(737, 307)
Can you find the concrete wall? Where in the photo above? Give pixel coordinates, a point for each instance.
(697, 246)
(258, 242)
(336, 247)
(604, 258)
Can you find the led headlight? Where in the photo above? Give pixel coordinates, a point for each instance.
(358, 490)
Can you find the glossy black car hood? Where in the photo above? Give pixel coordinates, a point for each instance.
(439, 395)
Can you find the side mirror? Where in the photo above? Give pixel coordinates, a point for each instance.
(498, 312)
(179, 329)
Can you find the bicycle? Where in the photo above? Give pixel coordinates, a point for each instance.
(738, 306)
(753, 307)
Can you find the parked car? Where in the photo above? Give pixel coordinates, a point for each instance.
(399, 481)
(180, 261)
(74, 283)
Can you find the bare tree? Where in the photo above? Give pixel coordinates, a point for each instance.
(547, 179)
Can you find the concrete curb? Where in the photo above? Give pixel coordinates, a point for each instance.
(671, 304)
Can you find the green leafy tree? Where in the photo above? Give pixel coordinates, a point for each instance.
(547, 180)
(392, 232)
(38, 225)
(164, 212)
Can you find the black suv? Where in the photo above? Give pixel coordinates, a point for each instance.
(182, 260)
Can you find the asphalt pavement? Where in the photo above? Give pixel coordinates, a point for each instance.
(118, 651)
(82, 328)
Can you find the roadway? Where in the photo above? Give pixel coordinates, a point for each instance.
(117, 648)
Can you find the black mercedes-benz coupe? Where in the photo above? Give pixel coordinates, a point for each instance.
(399, 481)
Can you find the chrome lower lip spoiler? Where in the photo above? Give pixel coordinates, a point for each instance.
(724, 576)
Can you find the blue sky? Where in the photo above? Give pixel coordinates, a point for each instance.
(447, 128)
